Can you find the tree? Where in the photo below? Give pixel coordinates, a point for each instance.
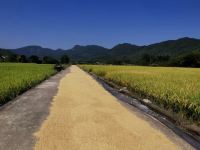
(64, 59)
(22, 59)
(117, 62)
(34, 59)
(126, 60)
(49, 60)
(146, 59)
(1, 58)
(12, 58)
(188, 60)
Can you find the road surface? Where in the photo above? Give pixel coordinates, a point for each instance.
(72, 111)
(84, 116)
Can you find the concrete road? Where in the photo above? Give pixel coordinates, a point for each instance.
(72, 111)
(84, 116)
(22, 117)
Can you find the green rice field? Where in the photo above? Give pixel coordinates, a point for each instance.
(176, 89)
(15, 78)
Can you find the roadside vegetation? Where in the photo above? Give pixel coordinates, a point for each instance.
(15, 78)
(8, 56)
(175, 89)
(19, 72)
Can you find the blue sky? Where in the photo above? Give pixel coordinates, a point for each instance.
(64, 23)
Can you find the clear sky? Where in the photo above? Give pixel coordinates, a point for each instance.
(64, 23)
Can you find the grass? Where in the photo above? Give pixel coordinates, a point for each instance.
(176, 89)
(16, 78)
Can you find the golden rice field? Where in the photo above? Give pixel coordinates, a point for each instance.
(16, 78)
(176, 89)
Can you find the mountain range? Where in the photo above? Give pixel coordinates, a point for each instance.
(129, 52)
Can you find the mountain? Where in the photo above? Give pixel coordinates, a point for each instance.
(124, 49)
(87, 53)
(6, 55)
(173, 47)
(77, 53)
(170, 48)
(35, 50)
(122, 52)
(5, 52)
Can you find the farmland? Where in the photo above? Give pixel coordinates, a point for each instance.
(15, 78)
(175, 89)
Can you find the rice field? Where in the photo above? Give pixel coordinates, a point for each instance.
(175, 89)
(15, 78)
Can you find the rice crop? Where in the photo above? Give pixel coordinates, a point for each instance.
(172, 88)
(15, 78)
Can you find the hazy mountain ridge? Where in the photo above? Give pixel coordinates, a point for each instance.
(127, 51)
(5, 52)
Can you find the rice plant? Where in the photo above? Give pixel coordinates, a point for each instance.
(177, 89)
(15, 78)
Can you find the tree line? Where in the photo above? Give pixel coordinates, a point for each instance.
(34, 59)
(191, 59)
(185, 60)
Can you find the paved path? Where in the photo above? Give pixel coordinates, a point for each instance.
(84, 116)
(22, 117)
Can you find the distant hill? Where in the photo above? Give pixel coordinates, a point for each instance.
(6, 55)
(122, 52)
(36, 50)
(173, 47)
(76, 53)
(5, 52)
(88, 53)
(124, 49)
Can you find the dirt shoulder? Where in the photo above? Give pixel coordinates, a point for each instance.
(85, 116)
(20, 118)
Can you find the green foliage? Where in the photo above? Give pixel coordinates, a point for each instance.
(49, 60)
(187, 60)
(34, 59)
(177, 89)
(4, 52)
(12, 58)
(157, 60)
(22, 59)
(64, 59)
(16, 78)
(159, 54)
